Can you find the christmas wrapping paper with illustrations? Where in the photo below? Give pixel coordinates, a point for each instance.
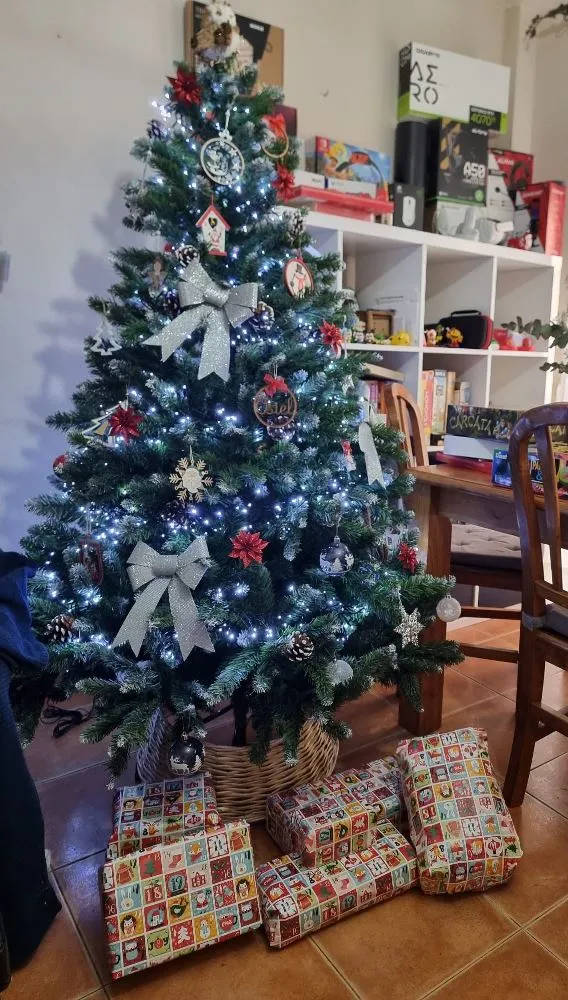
(177, 898)
(326, 821)
(459, 824)
(164, 811)
(296, 901)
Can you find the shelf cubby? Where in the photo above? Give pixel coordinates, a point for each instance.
(424, 276)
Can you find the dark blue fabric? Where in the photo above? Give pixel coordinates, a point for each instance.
(17, 639)
(27, 901)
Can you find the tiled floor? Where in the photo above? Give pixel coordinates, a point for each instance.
(510, 943)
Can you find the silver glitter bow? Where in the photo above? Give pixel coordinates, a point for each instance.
(179, 575)
(212, 307)
(369, 449)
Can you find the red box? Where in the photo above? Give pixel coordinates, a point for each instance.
(545, 204)
(517, 168)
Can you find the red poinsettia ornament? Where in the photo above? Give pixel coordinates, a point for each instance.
(185, 87)
(247, 546)
(332, 336)
(274, 384)
(124, 423)
(284, 182)
(407, 557)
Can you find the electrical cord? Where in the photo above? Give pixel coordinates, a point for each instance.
(64, 719)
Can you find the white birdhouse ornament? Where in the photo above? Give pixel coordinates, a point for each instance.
(214, 229)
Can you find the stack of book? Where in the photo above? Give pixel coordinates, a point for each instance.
(438, 390)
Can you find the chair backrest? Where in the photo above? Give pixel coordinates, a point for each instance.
(538, 516)
(403, 413)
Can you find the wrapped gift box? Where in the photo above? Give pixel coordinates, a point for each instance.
(177, 898)
(326, 821)
(296, 901)
(162, 812)
(459, 824)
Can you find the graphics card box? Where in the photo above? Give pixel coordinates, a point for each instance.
(435, 82)
(539, 216)
(258, 43)
(456, 161)
(334, 158)
(517, 168)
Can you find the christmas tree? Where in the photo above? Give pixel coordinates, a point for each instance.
(226, 526)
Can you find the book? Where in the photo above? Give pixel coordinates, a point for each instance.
(450, 391)
(425, 400)
(439, 401)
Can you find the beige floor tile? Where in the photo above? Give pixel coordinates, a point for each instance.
(402, 949)
(549, 783)
(461, 690)
(552, 931)
(244, 969)
(541, 878)
(59, 970)
(79, 884)
(497, 717)
(77, 813)
(48, 757)
(498, 676)
(519, 969)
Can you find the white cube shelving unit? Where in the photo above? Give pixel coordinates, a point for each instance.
(436, 275)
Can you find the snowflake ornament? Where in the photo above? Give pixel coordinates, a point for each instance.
(191, 479)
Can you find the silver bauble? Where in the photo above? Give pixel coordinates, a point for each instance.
(336, 559)
(339, 672)
(448, 609)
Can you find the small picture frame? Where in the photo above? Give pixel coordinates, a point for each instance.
(378, 323)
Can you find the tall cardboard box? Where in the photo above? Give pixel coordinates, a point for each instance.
(259, 43)
(435, 83)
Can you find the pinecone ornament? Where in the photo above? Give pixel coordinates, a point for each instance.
(185, 253)
(295, 224)
(60, 628)
(300, 647)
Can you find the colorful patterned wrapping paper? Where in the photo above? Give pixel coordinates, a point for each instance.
(162, 812)
(326, 821)
(459, 824)
(295, 901)
(177, 898)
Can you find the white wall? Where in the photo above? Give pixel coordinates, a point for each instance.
(550, 117)
(75, 80)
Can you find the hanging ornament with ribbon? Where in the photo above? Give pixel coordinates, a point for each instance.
(221, 160)
(179, 575)
(369, 449)
(278, 142)
(213, 308)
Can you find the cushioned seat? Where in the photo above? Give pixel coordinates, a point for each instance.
(556, 619)
(484, 548)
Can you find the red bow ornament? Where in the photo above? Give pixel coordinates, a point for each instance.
(274, 384)
(332, 337)
(284, 183)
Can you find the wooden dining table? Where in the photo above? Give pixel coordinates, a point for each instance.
(444, 493)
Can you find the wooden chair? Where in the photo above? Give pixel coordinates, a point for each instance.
(544, 627)
(490, 568)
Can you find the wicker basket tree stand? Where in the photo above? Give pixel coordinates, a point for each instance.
(241, 786)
